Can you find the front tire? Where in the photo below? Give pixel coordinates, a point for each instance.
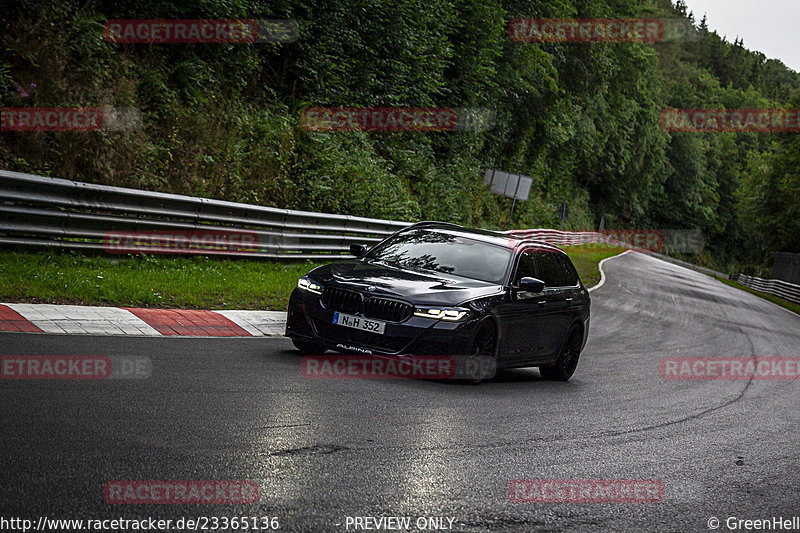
(482, 361)
(567, 360)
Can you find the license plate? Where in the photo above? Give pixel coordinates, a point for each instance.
(359, 322)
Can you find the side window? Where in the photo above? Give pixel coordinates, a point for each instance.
(570, 276)
(550, 270)
(525, 268)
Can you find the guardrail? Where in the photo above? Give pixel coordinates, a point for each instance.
(776, 287)
(563, 238)
(38, 211)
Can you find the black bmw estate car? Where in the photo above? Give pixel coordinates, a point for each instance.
(441, 289)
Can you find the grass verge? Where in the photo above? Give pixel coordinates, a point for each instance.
(586, 259)
(178, 282)
(147, 281)
(774, 299)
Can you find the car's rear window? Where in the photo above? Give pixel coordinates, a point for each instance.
(435, 251)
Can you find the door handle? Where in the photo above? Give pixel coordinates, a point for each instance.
(543, 302)
(568, 300)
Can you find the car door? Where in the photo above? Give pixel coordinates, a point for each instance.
(576, 296)
(557, 309)
(519, 332)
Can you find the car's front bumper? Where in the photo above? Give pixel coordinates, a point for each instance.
(309, 321)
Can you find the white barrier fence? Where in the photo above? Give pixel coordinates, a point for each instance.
(776, 287)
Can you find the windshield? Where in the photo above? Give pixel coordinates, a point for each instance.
(442, 252)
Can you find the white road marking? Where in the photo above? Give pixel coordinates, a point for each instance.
(603, 274)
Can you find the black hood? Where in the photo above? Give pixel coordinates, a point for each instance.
(416, 287)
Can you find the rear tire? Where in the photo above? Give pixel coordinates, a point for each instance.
(308, 348)
(567, 360)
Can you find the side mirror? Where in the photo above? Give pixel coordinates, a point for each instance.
(531, 285)
(358, 249)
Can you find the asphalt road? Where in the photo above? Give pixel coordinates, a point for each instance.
(323, 450)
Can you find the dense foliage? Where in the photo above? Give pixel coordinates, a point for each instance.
(222, 120)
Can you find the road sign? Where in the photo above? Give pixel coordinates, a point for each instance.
(513, 186)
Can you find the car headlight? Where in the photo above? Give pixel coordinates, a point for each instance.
(451, 314)
(307, 285)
